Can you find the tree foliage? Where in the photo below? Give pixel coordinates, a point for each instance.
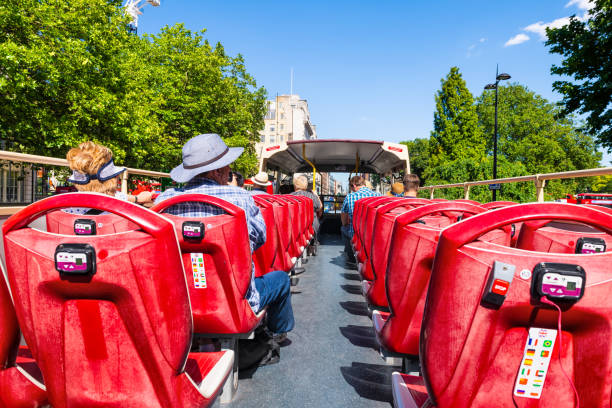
(533, 138)
(419, 156)
(586, 47)
(456, 133)
(72, 71)
(531, 132)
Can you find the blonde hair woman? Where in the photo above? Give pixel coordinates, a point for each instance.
(93, 170)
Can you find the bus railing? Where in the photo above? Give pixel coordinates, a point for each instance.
(24, 178)
(538, 179)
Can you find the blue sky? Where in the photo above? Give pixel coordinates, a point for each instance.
(370, 69)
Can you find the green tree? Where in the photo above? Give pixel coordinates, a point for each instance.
(195, 88)
(72, 71)
(62, 75)
(586, 47)
(531, 132)
(456, 133)
(418, 150)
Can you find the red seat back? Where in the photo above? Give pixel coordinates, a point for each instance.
(367, 221)
(558, 237)
(382, 228)
(264, 256)
(16, 389)
(357, 218)
(472, 354)
(282, 218)
(497, 204)
(60, 222)
(217, 268)
(119, 337)
(298, 217)
(411, 255)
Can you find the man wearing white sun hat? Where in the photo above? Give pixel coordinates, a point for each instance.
(205, 169)
(260, 182)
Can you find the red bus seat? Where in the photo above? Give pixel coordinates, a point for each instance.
(382, 228)
(367, 220)
(284, 260)
(218, 268)
(20, 380)
(493, 205)
(298, 218)
(411, 255)
(118, 332)
(264, 256)
(558, 237)
(60, 222)
(356, 221)
(473, 355)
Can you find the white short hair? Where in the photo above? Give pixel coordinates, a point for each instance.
(300, 182)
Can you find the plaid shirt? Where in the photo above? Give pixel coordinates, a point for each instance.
(235, 195)
(348, 206)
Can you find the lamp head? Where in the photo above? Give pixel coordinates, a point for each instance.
(503, 77)
(490, 86)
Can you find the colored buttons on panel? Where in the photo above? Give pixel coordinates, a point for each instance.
(535, 362)
(199, 273)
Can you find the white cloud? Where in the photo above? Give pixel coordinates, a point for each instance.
(540, 27)
(517, 39)
(482, 40)
(581, 4)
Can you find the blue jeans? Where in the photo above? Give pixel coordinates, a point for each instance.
(275, 292)
(347, 236)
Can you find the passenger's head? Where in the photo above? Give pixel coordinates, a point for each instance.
(300, 182)
(236, 179)
(93, 168)
(206, 155)
(397, 188)
(356, 182)
(260, 181)
(411, 184)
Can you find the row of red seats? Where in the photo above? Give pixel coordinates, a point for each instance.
(109, 304)
(463, 299)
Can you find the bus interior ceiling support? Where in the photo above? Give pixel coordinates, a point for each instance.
(314, 169)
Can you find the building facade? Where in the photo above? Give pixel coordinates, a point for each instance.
(287, 118)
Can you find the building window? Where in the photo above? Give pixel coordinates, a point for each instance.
(282, 116)
(282, 126)
(272, 128)
(263, 138)
(272, 139)
(280, 138)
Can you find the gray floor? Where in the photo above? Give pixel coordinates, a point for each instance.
(332, 360)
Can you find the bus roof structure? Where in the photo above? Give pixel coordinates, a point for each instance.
(335, 155)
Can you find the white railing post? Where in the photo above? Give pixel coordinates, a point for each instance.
(539, 189)
(124, 182)
(431, 193)
(466, 191)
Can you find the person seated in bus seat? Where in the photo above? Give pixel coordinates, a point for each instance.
(358, 189)
(411, 185)
(205, 169)
(397, 190)
(93, 170)
(300, 184)
(236, 179)
(260, 183)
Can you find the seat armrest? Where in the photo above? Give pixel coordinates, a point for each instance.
(408, 391)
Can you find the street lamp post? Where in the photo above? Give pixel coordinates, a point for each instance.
(498, 77)
(133, 8)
